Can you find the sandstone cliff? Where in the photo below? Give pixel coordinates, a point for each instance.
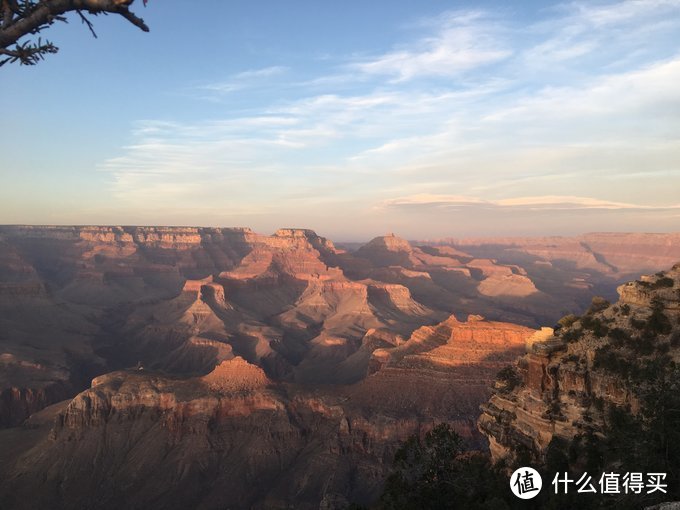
(570, 386)
(78, 301)
(180, 299)
(618, 254)
(236, 438)
(441, 371)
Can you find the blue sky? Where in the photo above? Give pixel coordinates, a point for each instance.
(429, 119)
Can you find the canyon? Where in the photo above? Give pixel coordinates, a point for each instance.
(564, 387)
(178, 367)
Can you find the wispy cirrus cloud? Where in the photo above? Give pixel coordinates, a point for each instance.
(244, 79)
(548, 202)
(623, 93)
(463, 41)
(605, 34)
(615, 13)
(579, 107)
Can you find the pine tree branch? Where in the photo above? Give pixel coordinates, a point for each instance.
(87, 22)
(35, 17)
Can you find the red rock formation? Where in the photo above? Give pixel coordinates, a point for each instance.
(619, 254)
(306, 448)
(561, 379)
(634, 253)
(235, 375)
(246, 442)
(388, 250)
(184, 298)
(442, 371)
(16, 404)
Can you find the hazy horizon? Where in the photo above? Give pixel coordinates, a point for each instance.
(356, 240)
(354, 120)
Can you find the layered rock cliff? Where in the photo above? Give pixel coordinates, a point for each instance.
(78, 301)
(235, 438)
(441, 372)
(571, 387)
(286, 363)
(619, 253)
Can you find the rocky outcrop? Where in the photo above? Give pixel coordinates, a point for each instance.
(562, 388)
(277, 371)
(396, 297)
(17, 404)
(234, 427)
(442, 371)
(621, 254)
(184, 298)
(388, 250)
(229, 439)
(658, 287)
(81, 300)
(235, 375)
(632, 253)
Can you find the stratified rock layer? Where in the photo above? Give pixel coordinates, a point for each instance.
(235, 438)
(442, 371)
(566, 382)
(79, 301)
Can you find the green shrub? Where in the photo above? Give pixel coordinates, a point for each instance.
(567, 320)
(437, 473)
(572, 335)
(663, 348)
(598, 402)
(645, 344)
(598, 304)
(556, 458)
(595, 325)
(658, 322)
(675, 339)
(637, 323)
(619, 336)
(510, 377)
(664, 282)
(607, 359)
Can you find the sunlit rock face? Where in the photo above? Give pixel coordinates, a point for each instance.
(77, 301)
(198, 365)
(566, 383)
(250, 441)
(623, 254)
(441, 371)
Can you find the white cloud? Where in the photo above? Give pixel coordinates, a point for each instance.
(463, 42)
(585, 138)
(618, 12)
(615, 94)
(244, 79)
(603, 35)
(548, 202)
(557, 50)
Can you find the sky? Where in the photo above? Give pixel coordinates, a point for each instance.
(428, 119)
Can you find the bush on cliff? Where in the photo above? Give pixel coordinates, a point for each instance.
(598, 304)
(567, 321)
(663, 283)
(658, 322)
(509, 378)
(572, 335)
(436, 473)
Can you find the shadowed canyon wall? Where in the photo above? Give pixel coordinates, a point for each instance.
(201, 360)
